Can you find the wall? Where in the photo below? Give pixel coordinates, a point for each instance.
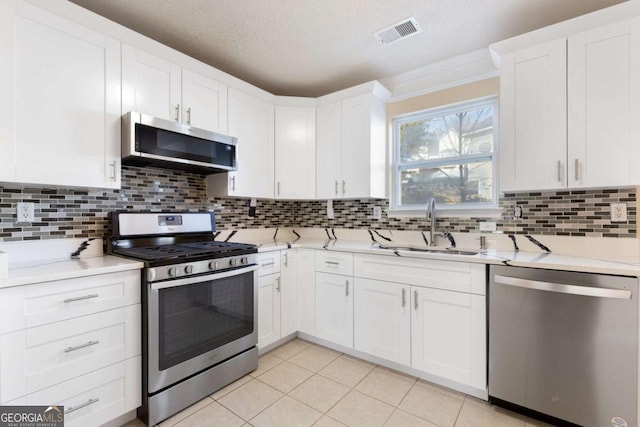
(65, 213)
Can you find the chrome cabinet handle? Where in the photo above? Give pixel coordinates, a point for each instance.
(268, 264)
(415, 300)
(343, 187)
(233, 183)
(404, 297)
(278, 188)
(559, 171)
(178, 113)
(113, 167)
(83, 405)
(336, 187)
(576, 170)
(286, 259)
(81, 298)
(189, 115)
(278, 284)
(332, 262)
(346, 288)
(78, 347)
(562, 288)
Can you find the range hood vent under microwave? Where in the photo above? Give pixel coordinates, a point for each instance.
(150, 141)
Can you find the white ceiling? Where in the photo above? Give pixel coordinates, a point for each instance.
(314, 47)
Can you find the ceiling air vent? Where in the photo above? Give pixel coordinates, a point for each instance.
(401, 30)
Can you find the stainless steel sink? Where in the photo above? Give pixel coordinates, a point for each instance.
(451, 251)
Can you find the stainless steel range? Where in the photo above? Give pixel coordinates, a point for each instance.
(199, 306)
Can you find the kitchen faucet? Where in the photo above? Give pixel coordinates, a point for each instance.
(431, 216)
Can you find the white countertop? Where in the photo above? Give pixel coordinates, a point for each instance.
(29, 272)
(626, 266)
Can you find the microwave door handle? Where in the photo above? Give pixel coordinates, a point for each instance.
(197, 279)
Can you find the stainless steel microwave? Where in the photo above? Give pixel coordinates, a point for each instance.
(150, 141)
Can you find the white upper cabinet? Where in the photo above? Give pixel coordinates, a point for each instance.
(60, 121)
(160, 88)
(569, 109)
(251, 120)
(351, 145)
(604, 106)
(295, 152)
(533, 118)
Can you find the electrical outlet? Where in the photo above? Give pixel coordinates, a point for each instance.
(25, 212)
(618, 212)
(377, 212)
(488, 226)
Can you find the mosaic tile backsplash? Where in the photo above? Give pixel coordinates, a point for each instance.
(63, 213)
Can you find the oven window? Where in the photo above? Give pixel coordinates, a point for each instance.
(197, 318)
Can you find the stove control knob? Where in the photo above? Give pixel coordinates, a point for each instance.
(173, 272)
(233, 262)
(188, 269)
(212, 265)
(243, 260)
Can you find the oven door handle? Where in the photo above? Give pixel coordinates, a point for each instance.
(197, 279)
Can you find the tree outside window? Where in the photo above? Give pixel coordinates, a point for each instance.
(448, 154)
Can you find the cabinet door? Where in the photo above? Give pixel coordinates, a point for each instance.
(449, 335)
(295, 153)
(382, 320)
(356, 147)
(306, 283)
(533, 118)
(328, 151)
(251, 120)
(288, 292)
(268, 309)
(204, 102)
(66, 84)
(150, 84)
(334, 308)
(604, 75)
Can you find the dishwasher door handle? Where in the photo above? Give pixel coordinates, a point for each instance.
(563, 288)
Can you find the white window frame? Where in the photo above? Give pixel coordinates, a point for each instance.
(487, 210)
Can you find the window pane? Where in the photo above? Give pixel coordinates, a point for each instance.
(459, 134)
(452, 184)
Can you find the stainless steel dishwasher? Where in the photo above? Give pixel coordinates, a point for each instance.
(564, 345)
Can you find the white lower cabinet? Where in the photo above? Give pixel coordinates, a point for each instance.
(334, 308)
(277, 296)
(306, 280)
(382, 320)
(448, 335)
(76, 343)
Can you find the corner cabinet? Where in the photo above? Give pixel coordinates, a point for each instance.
(60, 119)
(160, 88)
(295, 152)
(251, 120)
(569, 109)
(351, 145)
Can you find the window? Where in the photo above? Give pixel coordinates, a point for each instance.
(447, 153)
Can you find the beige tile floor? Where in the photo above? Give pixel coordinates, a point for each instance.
(302, 384)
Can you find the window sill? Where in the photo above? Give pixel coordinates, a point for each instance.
(492, 212)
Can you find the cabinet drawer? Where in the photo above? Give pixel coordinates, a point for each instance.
(60, 351)
(65, 299)
(89, 400)
(334, 262)
(446, 275)
(269, 263)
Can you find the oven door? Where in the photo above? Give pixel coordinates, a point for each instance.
(197, 322)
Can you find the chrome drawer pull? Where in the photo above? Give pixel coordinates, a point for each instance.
(78, 347)
(268, 264)
(332, 262)
(81, 298)
(83, 405)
